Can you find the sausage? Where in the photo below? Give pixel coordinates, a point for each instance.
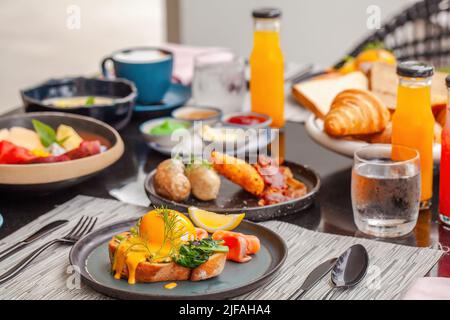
(170, 181)
(238, 171)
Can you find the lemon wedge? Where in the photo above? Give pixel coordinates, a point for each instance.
(211, 221)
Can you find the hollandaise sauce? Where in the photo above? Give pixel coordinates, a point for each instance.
(170, 286)
(130, 252)
(156, 239)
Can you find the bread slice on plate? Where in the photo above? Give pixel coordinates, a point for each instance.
(383, 82)
(171, 271)
(318, 93)
(210, 269)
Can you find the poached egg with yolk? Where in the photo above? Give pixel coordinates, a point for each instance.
(156, 238)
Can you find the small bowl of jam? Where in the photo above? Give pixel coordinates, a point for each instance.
(247, 120)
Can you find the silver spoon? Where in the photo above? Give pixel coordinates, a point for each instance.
(350, 269)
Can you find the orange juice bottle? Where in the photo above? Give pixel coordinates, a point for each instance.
(267, 66)
(413, 121)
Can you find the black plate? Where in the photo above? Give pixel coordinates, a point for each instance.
(90, 254)
(117, 114)
(233, 199)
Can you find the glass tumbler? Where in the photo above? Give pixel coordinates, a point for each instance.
(385, 192)
(219, 81)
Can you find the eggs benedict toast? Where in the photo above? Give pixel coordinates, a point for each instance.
(165, 246)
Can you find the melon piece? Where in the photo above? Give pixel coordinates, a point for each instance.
(69, 137)
(24, 138)
(4, 133)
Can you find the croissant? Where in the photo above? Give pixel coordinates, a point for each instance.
(356, 112)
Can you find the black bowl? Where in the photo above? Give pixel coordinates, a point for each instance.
(117, 114)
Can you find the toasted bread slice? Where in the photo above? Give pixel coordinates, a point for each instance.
(211, 268)
(171, 271)
(318, 93)
(383, 82)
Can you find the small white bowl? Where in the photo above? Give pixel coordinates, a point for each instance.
(178, 114)
(162, 140)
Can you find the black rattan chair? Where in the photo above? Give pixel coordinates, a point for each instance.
(420, 32)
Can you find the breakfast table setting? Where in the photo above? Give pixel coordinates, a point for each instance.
(191, 173)
(329, 219)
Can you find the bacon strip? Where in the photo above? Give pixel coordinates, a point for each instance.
(280, 185)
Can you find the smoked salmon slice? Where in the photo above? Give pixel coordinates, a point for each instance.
(237, 248)
(253, 244)
(240, 245)
(200, 233)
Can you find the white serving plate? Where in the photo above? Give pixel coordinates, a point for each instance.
(314, 127)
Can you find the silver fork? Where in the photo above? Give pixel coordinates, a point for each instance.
(82, 228)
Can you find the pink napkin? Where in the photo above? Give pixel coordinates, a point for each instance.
(183, 68)
(429, 289)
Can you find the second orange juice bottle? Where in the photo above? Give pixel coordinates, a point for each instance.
(413, 121)
(267, 66)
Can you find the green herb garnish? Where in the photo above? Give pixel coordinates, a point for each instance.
(348, 59)
(90, 101)
(172, 231)
(375, 45)
(194, 253)
(196, 161)
(443, 69)
(119, 237)
(135, 230)
(46, 133)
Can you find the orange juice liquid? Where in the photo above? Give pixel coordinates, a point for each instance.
(413, 126)
(267, 76)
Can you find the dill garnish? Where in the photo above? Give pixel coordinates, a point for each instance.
(196, 162)
(172, 229)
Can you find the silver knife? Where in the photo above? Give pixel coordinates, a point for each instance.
(35, 236)
(311, 280)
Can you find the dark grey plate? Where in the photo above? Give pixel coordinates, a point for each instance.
(90, 254)
(233, 199)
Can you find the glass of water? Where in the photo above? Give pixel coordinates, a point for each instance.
(219, 81)
(385, 192)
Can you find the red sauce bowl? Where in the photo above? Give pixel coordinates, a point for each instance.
(247, 120)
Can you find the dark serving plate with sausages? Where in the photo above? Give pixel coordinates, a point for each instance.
(233, 199)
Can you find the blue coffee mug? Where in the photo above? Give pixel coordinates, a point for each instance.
(152, 78)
